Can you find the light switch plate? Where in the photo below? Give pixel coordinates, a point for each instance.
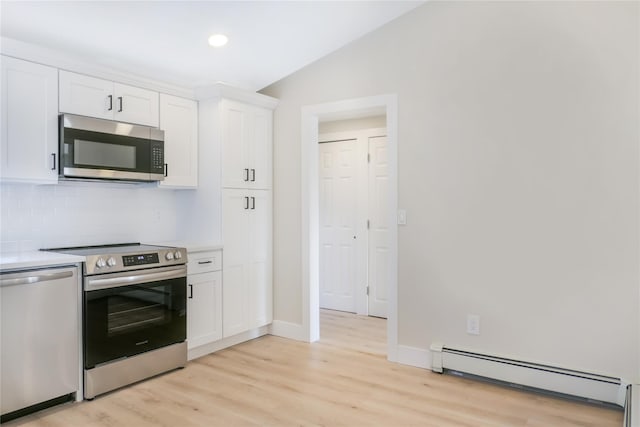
(402, 217)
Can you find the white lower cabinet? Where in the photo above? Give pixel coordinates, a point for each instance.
(247, 297)
(204, 298)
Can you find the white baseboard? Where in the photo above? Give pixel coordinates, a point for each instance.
(293, 331)
(203, 350)
(412, 356)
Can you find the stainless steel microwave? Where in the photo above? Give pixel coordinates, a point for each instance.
(97, 149)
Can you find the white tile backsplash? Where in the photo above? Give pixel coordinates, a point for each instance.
(76, 213)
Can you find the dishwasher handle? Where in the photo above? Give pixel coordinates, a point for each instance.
(32, 277)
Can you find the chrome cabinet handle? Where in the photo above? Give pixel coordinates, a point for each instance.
(246, 174)
(205, 262)
(190, 291)
(166, 169)
(53, 164)
(253, 175)
(110, 103)
(120, 100)
(246, 201)
(253, 202)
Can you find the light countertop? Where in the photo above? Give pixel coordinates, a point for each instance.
(192, 246)
(35, 259)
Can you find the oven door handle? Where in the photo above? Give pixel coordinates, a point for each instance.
(133, 278)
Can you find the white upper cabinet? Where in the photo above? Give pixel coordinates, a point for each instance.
(135, 105)
(87, 96)
(29, 128)
(94, 97)
(179, 120)
(246, 146)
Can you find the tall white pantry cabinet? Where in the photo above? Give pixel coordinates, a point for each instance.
(243, 126)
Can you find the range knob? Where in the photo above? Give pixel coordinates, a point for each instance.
(101, 263)
(178, 255)
(111, 261)
(169, 256)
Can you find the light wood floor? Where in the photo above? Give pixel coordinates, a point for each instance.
(342, 380)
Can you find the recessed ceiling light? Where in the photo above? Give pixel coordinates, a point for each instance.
(218, 40)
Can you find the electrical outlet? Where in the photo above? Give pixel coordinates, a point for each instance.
(473, 324)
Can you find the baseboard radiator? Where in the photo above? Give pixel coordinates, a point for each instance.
(534, 376)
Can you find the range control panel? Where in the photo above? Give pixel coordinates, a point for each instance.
(152, 257)
(128, 260)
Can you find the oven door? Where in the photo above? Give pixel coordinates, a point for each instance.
(133, 312)
(101, 149)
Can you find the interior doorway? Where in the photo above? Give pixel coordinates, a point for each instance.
(311, 117)
(354, 231)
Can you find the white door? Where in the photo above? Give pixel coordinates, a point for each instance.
(378, 226)
(340, 269)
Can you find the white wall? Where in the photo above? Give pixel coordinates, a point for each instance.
(518, 168)
(72, 214)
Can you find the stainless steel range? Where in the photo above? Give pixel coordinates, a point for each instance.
(134, 313)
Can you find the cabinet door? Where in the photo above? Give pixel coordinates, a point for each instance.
(204, 308)
(179, 120)
(260, 259)
(135, 105)
(235, 209)
(86, 96)
(235, 136)
(29, 134)
(259, 149)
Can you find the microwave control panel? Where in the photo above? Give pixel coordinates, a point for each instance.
(157, 157)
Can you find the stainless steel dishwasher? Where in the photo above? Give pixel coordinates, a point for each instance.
(39, 335)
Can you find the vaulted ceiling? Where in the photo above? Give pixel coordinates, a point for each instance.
(167, 40)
